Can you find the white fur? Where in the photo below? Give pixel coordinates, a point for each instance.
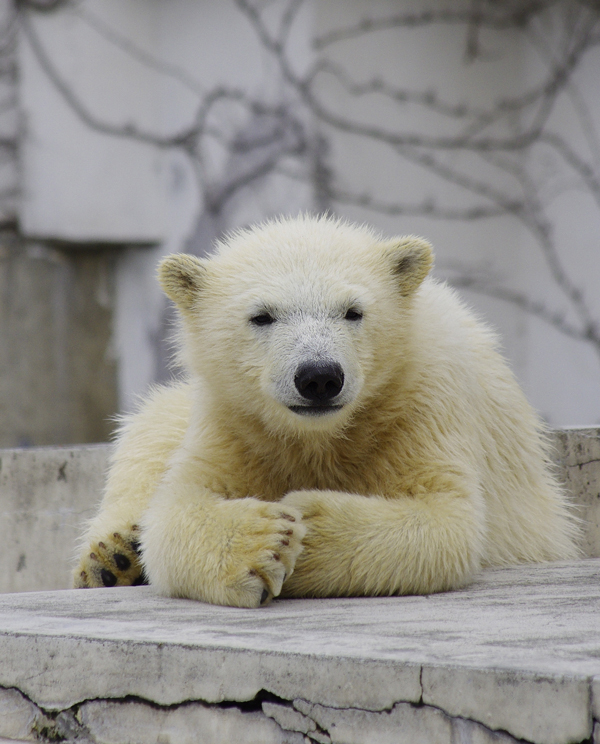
(432, 466)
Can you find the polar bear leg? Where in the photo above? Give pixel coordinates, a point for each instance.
(366, 546)
(109, 550)
(200, 545)
(235, 552)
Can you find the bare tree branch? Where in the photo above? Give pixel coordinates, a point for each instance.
(394, 138)
(188, 139)
(499, 17)
(428, 99)
(287, 21)
(428, 208)
(127, 131)
(577, 163)
(539, 310)
(284, 137)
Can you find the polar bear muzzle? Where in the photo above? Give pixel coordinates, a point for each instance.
(319, 383)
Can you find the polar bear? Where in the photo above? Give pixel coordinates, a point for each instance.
(347, 428)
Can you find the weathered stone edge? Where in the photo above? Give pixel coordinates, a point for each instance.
(532, 707)
(297, 720)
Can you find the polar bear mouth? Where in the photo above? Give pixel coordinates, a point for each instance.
(317, 410)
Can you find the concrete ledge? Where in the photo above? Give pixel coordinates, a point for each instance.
(515, 657)
(46, 495)
(578, 461)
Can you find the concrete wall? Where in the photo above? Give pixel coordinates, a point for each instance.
(58, 365)
(46, 495)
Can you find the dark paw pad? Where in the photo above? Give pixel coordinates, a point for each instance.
(108, 577)
(113, 561)
(122, 561)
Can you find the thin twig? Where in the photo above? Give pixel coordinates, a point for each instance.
(515, 15)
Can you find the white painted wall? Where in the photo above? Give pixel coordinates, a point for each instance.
(79, 184)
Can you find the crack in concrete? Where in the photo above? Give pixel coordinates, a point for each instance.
(65, 726)
(420, 704)
(586, 462)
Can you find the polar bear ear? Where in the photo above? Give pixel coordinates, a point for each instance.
(411, 260)
(182, 277)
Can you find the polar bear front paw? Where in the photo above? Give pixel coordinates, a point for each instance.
(113, 561)
(264, 556)
(235, 552)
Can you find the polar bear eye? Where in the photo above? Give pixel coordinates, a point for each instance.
(353, 314)
(262, 319)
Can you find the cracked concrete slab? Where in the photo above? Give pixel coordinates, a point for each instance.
(514, 701)
(289, 718)
(138, 723)
(17, 715)
(517, 655)
(405, 722)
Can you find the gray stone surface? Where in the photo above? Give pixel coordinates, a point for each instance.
(17, 715)
(139, 723)
(290, 718)
(578, 459)
(58, 362)
(515, 656)
(46, 494)
(515, 701)
(403, 723)
(596, 698)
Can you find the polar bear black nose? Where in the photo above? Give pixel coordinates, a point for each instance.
(319, 382)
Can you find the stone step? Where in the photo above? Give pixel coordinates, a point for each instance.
(514, 657)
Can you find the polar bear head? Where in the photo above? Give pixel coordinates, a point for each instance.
(298, 322)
